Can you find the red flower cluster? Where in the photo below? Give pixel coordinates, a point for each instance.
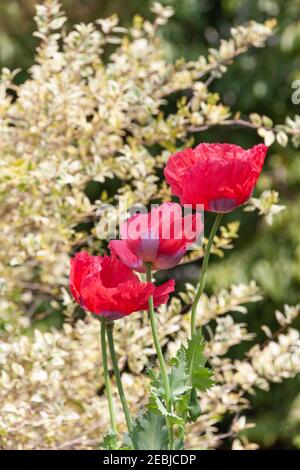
(107, 287)
(219, 176)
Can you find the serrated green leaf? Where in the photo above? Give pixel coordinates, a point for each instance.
(194, 406)
(181, 405)
(199, 374)
(178, 377)
(110, 441)
(175, 419)
(195, 349)
(187, 374)
(157, 406)
(155, 402)
(127, 442)
(202, 379)
(156, 382)
(150, 432)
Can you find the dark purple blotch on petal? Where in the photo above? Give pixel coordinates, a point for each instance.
(222, 205)
(109, 315)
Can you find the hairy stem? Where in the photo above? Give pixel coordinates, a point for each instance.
(161, 360)
(107, 378)
(203, 272)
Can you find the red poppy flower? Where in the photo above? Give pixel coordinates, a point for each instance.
(219, 176)
(160, 237)
(106, 287)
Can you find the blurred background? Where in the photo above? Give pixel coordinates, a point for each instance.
(258, 81)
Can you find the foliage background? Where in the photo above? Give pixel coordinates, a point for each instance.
(259, 81)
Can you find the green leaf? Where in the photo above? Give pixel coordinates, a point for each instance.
(110, 441)
(181, 404)
(155, 403)
(202, 378)
(150, 432)
(195, 349)
(127, 442)
(187, 375)
(200, 375)
(179, 388)
(178, 377)
(194, 407)
(156, 382)
(157, 406)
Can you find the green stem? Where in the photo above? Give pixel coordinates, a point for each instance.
(109, 330)
(161, 360)
(203, 272)
(106, 378)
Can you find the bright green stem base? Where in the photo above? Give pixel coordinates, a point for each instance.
(161, 360)
(203, 272)
(107, 379)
